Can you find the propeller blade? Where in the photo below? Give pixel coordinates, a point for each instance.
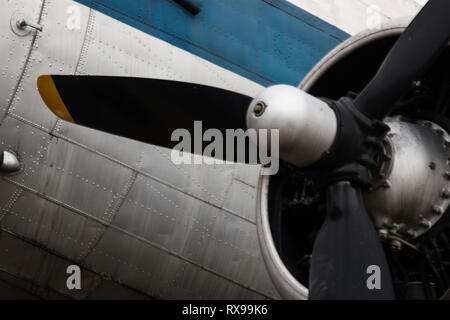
(147, 110)
(346, 246)
(412, 55)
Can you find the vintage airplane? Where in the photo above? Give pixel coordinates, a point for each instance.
(142, 227)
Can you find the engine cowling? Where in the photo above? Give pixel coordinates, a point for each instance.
(357, 59)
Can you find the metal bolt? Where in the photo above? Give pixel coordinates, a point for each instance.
(22, 24)
(425, 223)
(417, 83)
(259, 108)
(410, 233)
(439, 132)
(432, 165)
(447, 175)
(396, 245)
(427, 124)
(437, 209)
(445, 193)
(383, 233)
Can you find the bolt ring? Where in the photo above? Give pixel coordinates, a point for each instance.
(259, 108)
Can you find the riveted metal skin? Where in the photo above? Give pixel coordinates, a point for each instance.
(142, 208)
(418, 194)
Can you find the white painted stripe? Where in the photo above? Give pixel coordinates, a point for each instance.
(354, 16)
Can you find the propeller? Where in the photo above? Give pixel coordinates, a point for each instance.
(347, 242)
(346, 247)
(150, 110)
(412, 55)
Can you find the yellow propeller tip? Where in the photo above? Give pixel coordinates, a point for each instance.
(50, 94)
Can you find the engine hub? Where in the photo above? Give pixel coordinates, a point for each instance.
(415, 192)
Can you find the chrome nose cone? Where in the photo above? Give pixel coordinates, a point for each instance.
(307, 125)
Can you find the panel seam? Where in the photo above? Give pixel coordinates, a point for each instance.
(25, 66)
(11, 202)
(109, 214)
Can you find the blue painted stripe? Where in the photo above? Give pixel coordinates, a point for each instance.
(267, 41)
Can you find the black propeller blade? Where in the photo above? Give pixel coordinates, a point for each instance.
(347, 243)
(346, 246)
(147, 110)
(412, 55)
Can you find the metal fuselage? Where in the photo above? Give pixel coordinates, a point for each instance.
(138, 225)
